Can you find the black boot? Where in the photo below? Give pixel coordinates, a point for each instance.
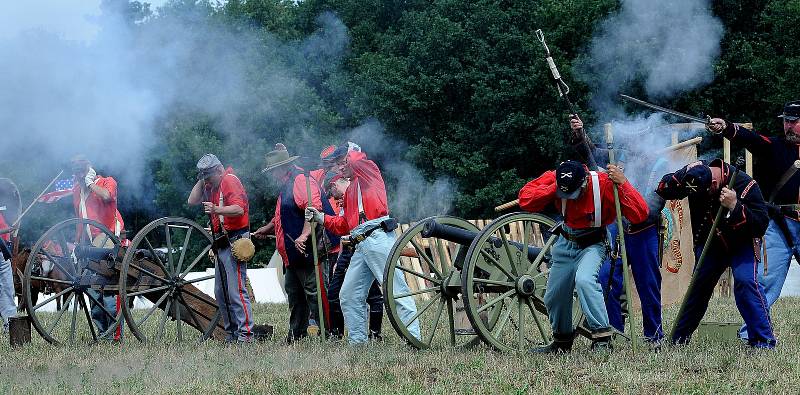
(562, 343)
(375, 324)
(336, 331)
(601, 341)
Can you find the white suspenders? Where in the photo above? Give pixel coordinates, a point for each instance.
(362, 216)
(598, 203)
(85, 215)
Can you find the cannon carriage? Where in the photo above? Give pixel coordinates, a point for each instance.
(490, 282)
(80, 261)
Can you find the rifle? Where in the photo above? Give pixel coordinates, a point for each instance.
(563, 92)
(665, 110)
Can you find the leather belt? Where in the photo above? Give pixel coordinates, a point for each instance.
(388, 225)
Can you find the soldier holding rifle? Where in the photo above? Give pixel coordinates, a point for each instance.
(776, 156)
(736, 244)
(586, 201)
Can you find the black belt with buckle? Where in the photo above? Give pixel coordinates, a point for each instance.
(585, 239)
(388, 225)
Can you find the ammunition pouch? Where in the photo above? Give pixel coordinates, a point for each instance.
(388, 225)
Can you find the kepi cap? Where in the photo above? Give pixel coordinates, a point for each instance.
(791, 111)
(570, 176)
(206, 166)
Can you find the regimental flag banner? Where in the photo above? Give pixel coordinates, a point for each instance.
(62, 188)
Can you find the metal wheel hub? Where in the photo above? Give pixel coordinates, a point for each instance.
(526, 286)
(449, 291)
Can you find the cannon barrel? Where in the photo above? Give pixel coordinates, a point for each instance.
(465, 237)
(94, 253)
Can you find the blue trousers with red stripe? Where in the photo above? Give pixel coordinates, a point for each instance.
(748, 293)
(642, 248)
(236, 304)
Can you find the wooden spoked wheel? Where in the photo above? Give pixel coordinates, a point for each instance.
(75, 260)
(504, 280)
(431, 269)
(159, 286)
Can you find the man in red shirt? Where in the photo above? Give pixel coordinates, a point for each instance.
(366, 219)
(95, 198)
(586, 200)
(225, 201)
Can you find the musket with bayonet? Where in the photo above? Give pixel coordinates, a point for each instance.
(563, 92)
(704, 121)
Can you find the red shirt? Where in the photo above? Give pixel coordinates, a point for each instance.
(301, 201)
(539, 193)
(373, 193)
(233, 194)
(96, 209)
(4, 225)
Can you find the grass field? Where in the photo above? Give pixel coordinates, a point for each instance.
(391, 367)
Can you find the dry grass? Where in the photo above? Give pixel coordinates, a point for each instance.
(390, 367)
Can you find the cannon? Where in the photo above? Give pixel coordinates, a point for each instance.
(493, 277)
(80, 261)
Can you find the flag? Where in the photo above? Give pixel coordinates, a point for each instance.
(62, 188)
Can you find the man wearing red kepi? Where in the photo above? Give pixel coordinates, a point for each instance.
(587, 203)
(366, 219)
(225, 201)
(95, 198)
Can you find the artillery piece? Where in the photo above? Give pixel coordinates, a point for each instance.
(456, 266)
(80, 260)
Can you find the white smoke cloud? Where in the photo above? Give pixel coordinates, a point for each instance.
(666, 46)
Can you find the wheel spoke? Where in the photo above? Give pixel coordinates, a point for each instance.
(191, 311)
(100, 304)
(170, 259)
(422, 254)
(152, 309)
(436, 321)
(199, 279)
(421, 291)
(52, 298)
(212, 324)
(542, 254)
(64, 308)
(493, 282)
(65, 250)
(183, 251)
(163, 321)
(155, 256)
(496, 264)
(88, 319)
(420, 312)
(420, 275)
(195, 261)
(523, 259)
(74, 318)
(521, 324)
(51, 280)
(536, 319)
(149, 290)
(451, 321)
(55, 262)
(443, 263)
(503, 320)
(179, 325)
(495, 300)
(149, 273)
(507, 248)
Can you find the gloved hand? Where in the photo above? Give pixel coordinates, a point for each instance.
(351, 146)
(90, 177)
(313, 215)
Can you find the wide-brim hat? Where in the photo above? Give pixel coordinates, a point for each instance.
(277, 158)
(791, 111)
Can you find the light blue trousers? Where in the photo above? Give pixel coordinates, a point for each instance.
(779, 257)
(575, 269)
(7, 306)
(368, 264)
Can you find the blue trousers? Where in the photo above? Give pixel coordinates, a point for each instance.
(748, 293)
(7, 306)
(779, 257)
(642, 248)
(236, 304)
(575, 269)
(367, 265)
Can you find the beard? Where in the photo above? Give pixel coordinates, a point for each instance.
(792, 137)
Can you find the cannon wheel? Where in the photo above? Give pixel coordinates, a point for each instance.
(503, 287)
(429, 273)
(156, 268)
(70, 279)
